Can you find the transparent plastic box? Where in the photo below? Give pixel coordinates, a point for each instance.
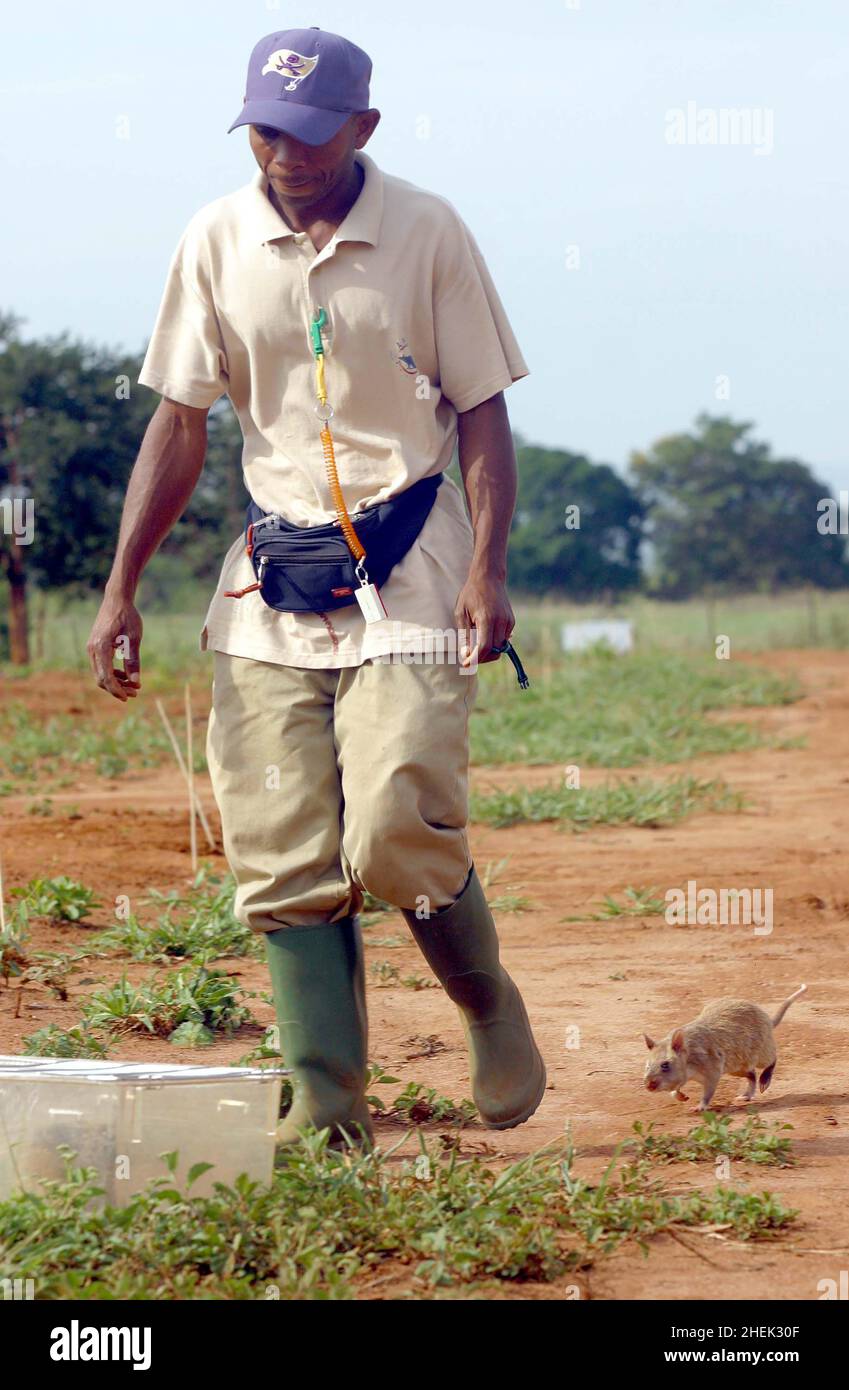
(120, 1117)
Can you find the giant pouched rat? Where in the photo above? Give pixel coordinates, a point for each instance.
(729, 1036)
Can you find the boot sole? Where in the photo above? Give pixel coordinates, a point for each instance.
(526, 1114)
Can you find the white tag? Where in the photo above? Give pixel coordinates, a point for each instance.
(368, 597)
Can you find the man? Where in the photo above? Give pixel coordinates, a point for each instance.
(338, 764)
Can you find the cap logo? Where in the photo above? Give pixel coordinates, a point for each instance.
(288, 64)
(406, 361)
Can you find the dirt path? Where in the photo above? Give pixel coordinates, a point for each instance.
(610, 980)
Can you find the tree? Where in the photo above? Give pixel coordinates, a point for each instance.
(723, 514)
(71, 421)
(13, 493)
(68, 434)
(577, 526)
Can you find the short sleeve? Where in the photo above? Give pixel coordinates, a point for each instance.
(476, 349)
(186, 358)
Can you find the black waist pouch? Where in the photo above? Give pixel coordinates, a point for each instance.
(309, 569)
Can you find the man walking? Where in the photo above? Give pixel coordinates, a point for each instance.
(326, 291)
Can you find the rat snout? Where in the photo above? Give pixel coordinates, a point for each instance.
(651, 1083)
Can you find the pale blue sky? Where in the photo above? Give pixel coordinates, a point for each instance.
(547, 130)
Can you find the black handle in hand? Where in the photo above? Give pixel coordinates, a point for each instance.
(509, 649)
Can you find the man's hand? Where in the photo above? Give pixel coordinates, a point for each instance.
(163, 479)
(488, 468)
(483, 604)
(117, 627)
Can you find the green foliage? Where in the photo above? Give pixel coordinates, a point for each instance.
(207, 999)
(724, 514)
(192, 1033)
(374, 907)
(385, 975)
(418, 1105)
(639, 902)
(79, 1041)
(721, 513)
(604, 710)
(753, 1142)
(199, 925)
(52, 969)
(75, 435)
(509, 901)
(74, 442)
(749, 1215)
(13, 957)
(33, 749)
(331, 1221)
(600, 554)
(60, 899)
(635, 802)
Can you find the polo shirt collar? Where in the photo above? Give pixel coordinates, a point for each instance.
(361, 224)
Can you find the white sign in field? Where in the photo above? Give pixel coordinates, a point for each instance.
(617, 633)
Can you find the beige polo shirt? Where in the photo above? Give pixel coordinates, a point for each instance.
(416, 332)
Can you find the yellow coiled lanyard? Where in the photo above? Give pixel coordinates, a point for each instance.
(324, 411)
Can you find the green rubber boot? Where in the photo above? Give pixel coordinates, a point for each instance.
(318, 979)
(461, 947)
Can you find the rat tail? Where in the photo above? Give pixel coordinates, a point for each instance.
(776, 1018)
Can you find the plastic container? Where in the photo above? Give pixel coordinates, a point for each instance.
(120, 1117)
(617, 633)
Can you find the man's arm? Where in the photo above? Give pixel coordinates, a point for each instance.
(488, 467)
(164, 476)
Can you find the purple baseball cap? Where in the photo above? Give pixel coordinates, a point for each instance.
(305, 82)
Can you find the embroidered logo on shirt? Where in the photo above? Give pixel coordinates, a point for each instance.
(406, 361)
(289, 64)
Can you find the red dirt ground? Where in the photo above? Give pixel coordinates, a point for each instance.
(612, 979)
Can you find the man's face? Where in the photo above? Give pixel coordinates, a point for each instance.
(300, 173)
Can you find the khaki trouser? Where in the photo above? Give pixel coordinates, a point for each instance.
(330, 782)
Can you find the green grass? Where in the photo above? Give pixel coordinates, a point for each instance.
(47, 752)
(170, 646)
(639, 902)
(78, 1041)
(165, 940)
(603, 710)
(754, 622)
(198, 925)
(644, 802)
(439, 1221)
(415, 1104)
(13, 956)
(753, 1142)
(418, 1105)
(58, 899)
(187, 1008)
(598, 709)
(510, 902)
(385, 976)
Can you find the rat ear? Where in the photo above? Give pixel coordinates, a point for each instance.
(677, 1041)
(650, 1042)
